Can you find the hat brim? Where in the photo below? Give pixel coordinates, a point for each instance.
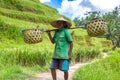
(54, 23)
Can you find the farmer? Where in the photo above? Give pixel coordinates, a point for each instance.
(63, 47)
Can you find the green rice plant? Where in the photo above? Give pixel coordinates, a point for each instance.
(106, 43)
(12, 73)
(89, 41)
(105, 69)
(81, 54)
(28, 5)
(26, 56)
(11, 31)
(113, 52)
(38, 68)
(106, 49)
(25, 60)
(28, 16)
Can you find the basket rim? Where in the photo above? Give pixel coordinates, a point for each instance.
(30, 29)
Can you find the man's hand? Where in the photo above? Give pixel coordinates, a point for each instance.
(70, 51)
(69, 57)
(48, 31)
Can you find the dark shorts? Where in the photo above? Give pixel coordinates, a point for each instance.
(61, 64)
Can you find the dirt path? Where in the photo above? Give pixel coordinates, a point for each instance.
(60, 75)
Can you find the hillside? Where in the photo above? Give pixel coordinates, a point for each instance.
(26, 9)
(20, 60)
(16, 15)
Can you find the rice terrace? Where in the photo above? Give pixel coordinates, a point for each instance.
(26, 51)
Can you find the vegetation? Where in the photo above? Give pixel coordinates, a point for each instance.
(105, 69)
(113, 19)
(113, 24)
(19, 60)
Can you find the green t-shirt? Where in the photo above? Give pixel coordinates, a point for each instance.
(62, 40)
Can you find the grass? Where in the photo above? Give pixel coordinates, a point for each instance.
(28, 16)
(12, 73)
(34, 7)
(106, 69)
(19, 60)
(84, 54)
(34, 58)
(23, 61)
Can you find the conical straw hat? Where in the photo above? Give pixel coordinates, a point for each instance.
(54, 23)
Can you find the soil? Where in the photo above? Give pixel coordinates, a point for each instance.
(60, 74)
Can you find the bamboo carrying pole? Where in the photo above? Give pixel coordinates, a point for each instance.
(76, 27)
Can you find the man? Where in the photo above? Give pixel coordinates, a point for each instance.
(63, 47)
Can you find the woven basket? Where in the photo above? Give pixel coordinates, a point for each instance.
(32, 36)
(96, 27)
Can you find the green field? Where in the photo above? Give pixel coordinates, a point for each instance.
(19, 60)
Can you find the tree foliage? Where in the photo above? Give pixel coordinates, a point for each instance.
(113, 23)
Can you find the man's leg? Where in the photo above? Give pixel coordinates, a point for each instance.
(66, 75)
(64, 66)
(53, 72)
(54, 65)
